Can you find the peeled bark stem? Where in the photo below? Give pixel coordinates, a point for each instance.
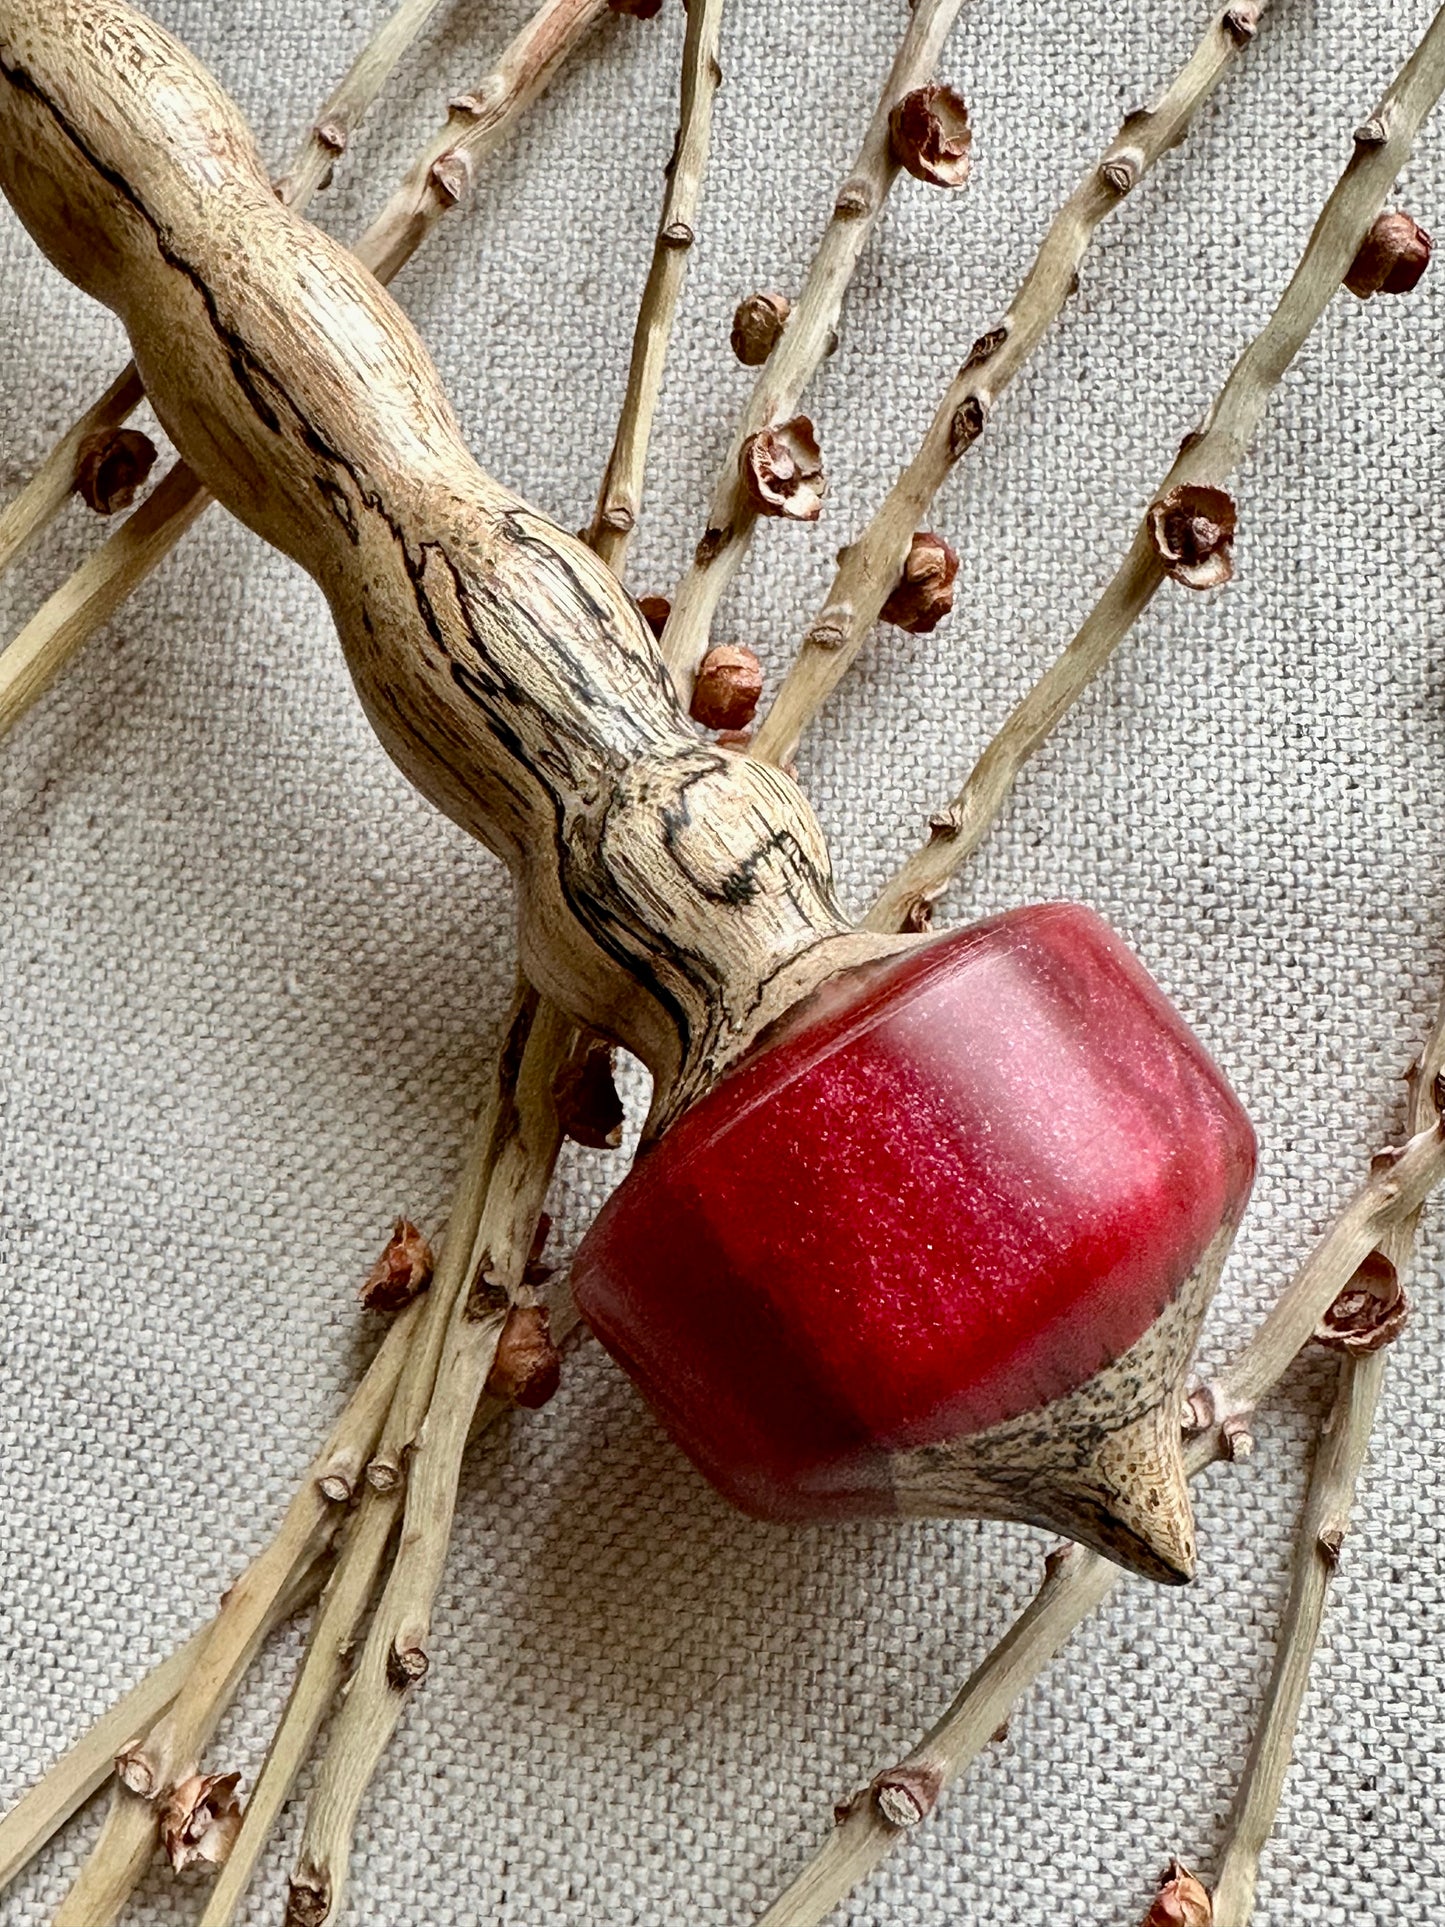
(395, 1655)
(170, 1749)
(805, 343)
(49, 489)
(619, 499)
(870, 565)
(1208, 457)
(1340, 1456)
(35, 657)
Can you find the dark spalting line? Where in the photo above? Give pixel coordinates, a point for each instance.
(555, 747)
(340, 503)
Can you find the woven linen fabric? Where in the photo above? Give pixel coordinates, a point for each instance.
(251, 982)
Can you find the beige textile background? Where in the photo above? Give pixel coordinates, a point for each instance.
(250, 982)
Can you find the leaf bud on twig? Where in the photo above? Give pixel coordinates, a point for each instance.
(931, 137)
(1392, 257)
(1369, 1313)
(111, 467)
(758, 323)
(923, 594)
(1182, 1901)
(1192, 529)
(728, 686)
(401, 1273)
(782, 470)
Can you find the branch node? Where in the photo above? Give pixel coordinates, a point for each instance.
(906, 1795)
(308, 1899)
(333, 135)
(1241, 22)
(1329, 1545)
(831, 629)
(136, 1771)
(967, 425)
(677, 234)
(855, 200)
(336, 1487)
(406, 1665)
(1375, 131)
(451, 175)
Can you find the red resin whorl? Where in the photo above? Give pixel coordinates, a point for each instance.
(953, 1191)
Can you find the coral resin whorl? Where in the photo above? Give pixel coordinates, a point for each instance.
(944, 1244)
(943, 1248)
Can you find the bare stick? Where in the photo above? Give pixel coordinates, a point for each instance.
(1382, 145)
(32, 661)
(48, 490)
(871, 564)
(1077, 1581)
(90, 1762)
(170, 1749)
(477, 124)
(1344, 1441)
(395, 1655)
(804, 344)
(620, 497)
(331, 132)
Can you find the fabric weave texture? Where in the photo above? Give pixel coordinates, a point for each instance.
(250, 983)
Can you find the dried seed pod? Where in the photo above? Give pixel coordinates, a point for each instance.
(111, 467)
(588, 1107)
(728, 686)
(782, 470)
(1369, 1313)
(1192, 528)
(527, 1367)
(931, 136)
(401, 1273)
(923, 594)
(1392, 257)
(758, 323)
(199, 1820)
(1182, 1900)
(655, 611)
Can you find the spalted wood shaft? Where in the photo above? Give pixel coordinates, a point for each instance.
(674, 895)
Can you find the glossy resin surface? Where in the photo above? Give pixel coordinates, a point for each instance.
(955, 1189)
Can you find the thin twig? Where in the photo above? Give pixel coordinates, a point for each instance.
(804, 345)
(1344, 1442)
(1339, 1457)
(32, 661)
(48, 490)
(869, 567)
(1382, 145)
(358, 1566)
(90, 1762)
(330, 134)
(172, 1746)
(477, 124)
(1077, 1581)
(395, 1656)
(620, 497)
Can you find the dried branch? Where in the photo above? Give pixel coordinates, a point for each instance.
(32, 661)
(90, 1762)
(870, 566)
(170, 1749)
(1077, 1581)
(477, 124)
(805, 343)
(620, 497)
(48, 490)
(1343, 1444)
(1206, 458)
(395, 1655)
(358, 1566)
(330, 134)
